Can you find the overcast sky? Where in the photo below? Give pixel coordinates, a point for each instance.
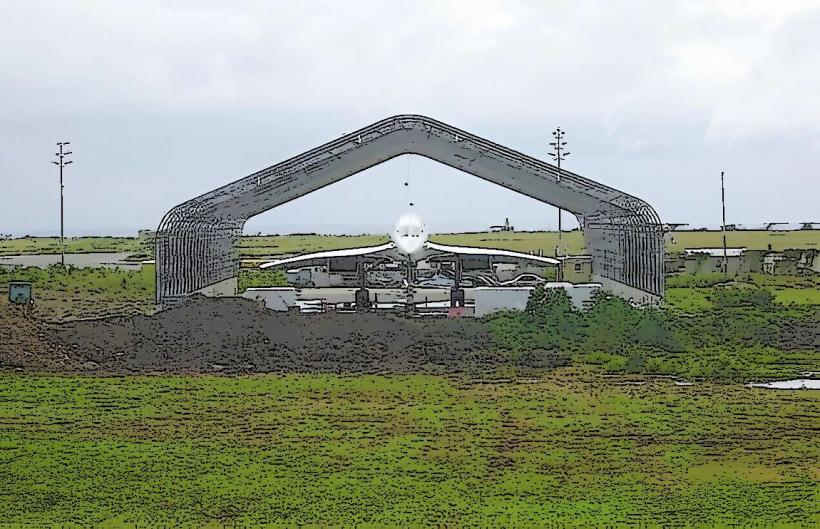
(165, 100)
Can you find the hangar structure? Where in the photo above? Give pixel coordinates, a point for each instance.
(196, 240)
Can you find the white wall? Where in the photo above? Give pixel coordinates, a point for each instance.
(494, 299)
(275, 298)
(579, 293)
(226, 287)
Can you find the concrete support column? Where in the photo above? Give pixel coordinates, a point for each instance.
(362, 300)
(456, 297)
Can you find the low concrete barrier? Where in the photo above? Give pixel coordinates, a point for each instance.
(494, 299)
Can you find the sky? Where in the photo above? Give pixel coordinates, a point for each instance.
(163, 100)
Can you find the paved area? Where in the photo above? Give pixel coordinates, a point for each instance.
(78, 260)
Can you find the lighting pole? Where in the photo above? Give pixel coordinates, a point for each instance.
(723, 226)
(558, 154)
(62, 162)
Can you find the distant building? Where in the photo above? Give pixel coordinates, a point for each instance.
(743, 260)
(709, 260)
(505, 227)
(673, 263)
(791, 262)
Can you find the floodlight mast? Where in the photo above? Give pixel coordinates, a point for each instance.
(62, 162)
(558, 154)
(725, 264)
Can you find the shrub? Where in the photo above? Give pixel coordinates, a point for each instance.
(549, 302)
(609, 324)
(654, 329)
(746, 335)
(635, 363)
(742, 297)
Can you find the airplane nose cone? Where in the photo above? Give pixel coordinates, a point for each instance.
(409, 234)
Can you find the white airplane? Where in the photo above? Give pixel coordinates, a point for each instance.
(409, 243)
(409, 234)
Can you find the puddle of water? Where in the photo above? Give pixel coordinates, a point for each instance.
(800, 383)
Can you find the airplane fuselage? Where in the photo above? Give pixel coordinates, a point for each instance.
(409, 234)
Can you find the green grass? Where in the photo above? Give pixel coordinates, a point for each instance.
(729, 334)
(115, 283)
(710, 279)
(51, 245)
(255, 277)
(571, 242)
(256, 246)
(677, 241)
(571, 450)
(691, 292)
(797, 296)
(546, 242)
(85, 292)
(689, 299)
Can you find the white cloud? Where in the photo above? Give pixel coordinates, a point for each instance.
(630, 79)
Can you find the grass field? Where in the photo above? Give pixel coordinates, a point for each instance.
(797, 296)
(51, 245)
(691, 292)
(85, 292)
(571, 242)
(570, 449)
(565, 448)
(753, 240)
(73, 293)
(254, 246)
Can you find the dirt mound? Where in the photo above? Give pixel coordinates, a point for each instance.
(27, 343)
(238, 335)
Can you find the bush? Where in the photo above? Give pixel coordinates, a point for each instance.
(610, 324)
(723, 343)
(541, 359)
(724, 297)
(655, 330)
(635, 363)
(549, 302)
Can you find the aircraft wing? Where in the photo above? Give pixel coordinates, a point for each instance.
(331, 254)
(468, 250)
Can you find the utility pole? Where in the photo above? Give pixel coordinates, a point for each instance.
(62, 162)
(557, 156)
(723, 226)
